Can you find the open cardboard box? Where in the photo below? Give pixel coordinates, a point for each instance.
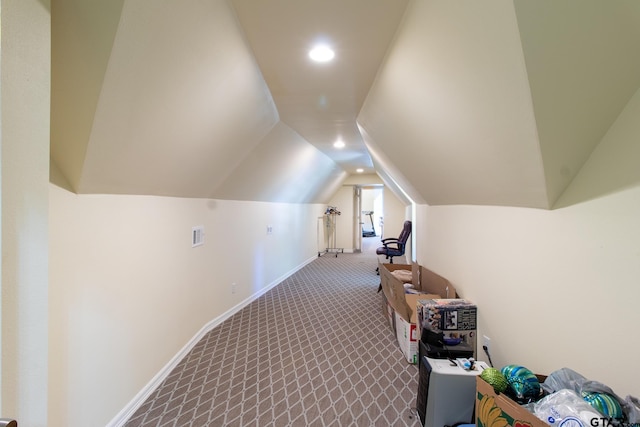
(424, 281)
(387, 312)
(498, 409)
(404, 305)
(433, 283)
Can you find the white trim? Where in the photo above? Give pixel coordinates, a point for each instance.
(126, 412)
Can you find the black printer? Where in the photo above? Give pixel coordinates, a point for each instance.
(436, 346)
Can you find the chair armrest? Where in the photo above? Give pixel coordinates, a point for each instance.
(389, 240)
(395, 243)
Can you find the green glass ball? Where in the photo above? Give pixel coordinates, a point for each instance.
(495, 378)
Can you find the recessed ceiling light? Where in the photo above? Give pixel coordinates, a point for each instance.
(359, 170)
(321, 53)
(339, 144)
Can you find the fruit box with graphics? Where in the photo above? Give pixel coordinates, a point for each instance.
(498, 410)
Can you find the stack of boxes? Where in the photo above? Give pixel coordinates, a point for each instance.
(400, 306)
(431, 303)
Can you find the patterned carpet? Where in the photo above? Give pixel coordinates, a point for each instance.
(313, 351)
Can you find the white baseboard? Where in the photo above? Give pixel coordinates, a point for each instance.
(126, 412)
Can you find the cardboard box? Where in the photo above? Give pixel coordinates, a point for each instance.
(423, 281)
(407, 339)
(404, 304)
(406, 332)
(497, 409)
(388, 313)
(455, 318)
(432, 283)
(393, 288)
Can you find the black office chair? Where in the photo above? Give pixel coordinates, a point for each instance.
(395, 247)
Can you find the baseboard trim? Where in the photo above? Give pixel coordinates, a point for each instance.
(126, 413)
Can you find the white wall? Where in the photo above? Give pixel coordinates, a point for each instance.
(368, 197)
(394, 214)
(372, 200)
(343, 200)
(559, 287)
(393, 209)
(127, 290)
(26, 40)
(553, 288)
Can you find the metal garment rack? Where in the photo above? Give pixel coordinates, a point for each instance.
(327, 232)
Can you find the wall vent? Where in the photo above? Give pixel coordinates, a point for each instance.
(197, 236)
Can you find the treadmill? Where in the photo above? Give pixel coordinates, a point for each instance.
(372, 232)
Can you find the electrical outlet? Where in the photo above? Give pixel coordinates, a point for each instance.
(269, 229)
(233, 288)
(486, 342)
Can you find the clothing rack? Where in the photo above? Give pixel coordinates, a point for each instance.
(328, 223)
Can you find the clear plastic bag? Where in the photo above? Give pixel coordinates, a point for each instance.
(632, 409)
(566, 378)
(565, 408)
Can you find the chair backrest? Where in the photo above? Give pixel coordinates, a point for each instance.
(405, 233)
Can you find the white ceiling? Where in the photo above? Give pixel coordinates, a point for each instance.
(321, 101)
(494, 102)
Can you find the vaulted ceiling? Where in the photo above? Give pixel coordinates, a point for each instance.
(494, 102)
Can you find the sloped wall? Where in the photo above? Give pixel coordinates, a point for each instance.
(178, 109)
(451, 109)
(500, 103)
(583, 67)
(283, 168)
(82, 35)
(182, 113)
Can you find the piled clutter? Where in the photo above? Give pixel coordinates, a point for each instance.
(515, 396)
(447, 327)
(407, 287)
(434, 327)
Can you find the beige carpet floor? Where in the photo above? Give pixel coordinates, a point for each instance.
(313, 351)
